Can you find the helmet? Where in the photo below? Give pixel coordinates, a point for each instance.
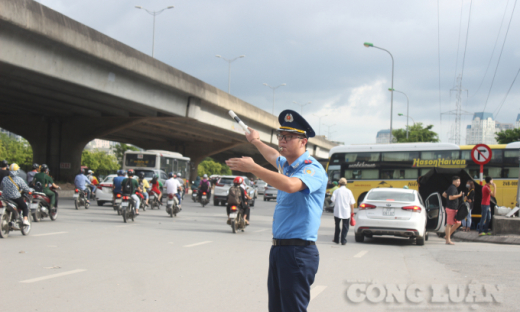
(36, 166)
(44, 167)
(3, 163)
(179, 174)
(141, 175)
(205, 176)
(90, 171)
(14, 167)
(238, 180)
(130, 172)
(170, 175)
(155, 176)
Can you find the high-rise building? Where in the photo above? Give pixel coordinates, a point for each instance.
(11, 135)
(101, 145)
(482, 129)
(517, 125)
(383, 136)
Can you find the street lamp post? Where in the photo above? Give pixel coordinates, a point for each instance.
(301, 106)
(274, 88)
(407, 122)
(229, 71)
(328, 128)
(370, 45)
(320, 117)
(407, 107)
(154, 14)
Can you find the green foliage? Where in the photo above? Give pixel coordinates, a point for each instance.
(508, 136)
(14, 151)
(416, 133)
(120, 149)
(209, 166)
(99, 162)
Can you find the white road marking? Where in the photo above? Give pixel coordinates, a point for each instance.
(197, 244)
(52, 276)
(316, 291)
(260, 230)
(125, 225)
(361, 254)
(55, 233)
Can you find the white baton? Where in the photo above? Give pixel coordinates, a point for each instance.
(240, 122)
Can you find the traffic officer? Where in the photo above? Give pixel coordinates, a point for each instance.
(301, 182)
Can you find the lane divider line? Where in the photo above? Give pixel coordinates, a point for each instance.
(55, 233)
(316, 291)
(52, 276)
(361, 254)
(197, 244)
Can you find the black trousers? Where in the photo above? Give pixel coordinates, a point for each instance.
(344, 230)
(56, 201)
(21, 205)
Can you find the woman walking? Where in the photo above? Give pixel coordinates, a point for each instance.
(470, 199)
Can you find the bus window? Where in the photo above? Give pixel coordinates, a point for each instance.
(362, 174)
(400, 156)
(492, 172)
(511, 157)
(140, 160)
(425, 171)
(432, 155)
(360, 157)
(334, 173)
(496, 158)
(511, 172)
(399, 174)
(182, 167)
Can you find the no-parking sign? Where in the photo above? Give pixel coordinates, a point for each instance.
(481, 155)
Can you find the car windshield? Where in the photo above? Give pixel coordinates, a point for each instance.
(391, 196)
(226, 181)
(147, 173)
(108, 179)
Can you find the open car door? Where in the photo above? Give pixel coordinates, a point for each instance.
(435, 213)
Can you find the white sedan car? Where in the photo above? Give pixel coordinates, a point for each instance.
(104, 191)
(399, 212)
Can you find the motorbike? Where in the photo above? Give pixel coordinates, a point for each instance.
(128, 208)
(236, 215)
(194, 196)
(172, 205)
(142, 203)
(8, 221)
(328, 205)
(40, 206)
(204, 200)
(154, 200)
(117, 203)
(80, 198)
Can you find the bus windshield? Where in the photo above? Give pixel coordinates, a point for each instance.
(140, 160)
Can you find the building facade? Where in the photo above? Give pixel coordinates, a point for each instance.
(383, 136)
(483, 128)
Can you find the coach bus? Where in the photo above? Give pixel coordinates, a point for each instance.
(396, 165)
(158, 160)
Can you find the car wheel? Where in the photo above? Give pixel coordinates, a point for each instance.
(100, 203)
(215, 203)
(359, 238)
(265, 199)
(420, 241)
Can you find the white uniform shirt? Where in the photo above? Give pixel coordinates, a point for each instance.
(342, 199)
(171, 186)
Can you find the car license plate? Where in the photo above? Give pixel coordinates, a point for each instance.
(34, 205)
(204, 197)
(388, 211)
(170, 202)
(124, 204)
(76, 195)
(232, 215)
(118, 201)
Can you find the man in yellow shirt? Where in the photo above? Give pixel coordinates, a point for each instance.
(145, 186)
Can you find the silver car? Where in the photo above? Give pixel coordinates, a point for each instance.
(221, 190)
(260, 186)
(270, 192)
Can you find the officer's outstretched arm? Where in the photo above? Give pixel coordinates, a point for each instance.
(270, 154)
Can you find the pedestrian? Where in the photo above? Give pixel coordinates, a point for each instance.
(470, 199)
(344, 201)
(453, 196)
(301, 182)
(485, 206)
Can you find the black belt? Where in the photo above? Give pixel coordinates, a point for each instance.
(292, 242)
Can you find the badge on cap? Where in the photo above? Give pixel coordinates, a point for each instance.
(289, 118)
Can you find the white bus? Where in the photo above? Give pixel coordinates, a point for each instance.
(157, 160)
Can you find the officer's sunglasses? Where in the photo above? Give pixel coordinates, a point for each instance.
(287, 137)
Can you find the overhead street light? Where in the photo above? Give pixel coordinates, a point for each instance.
(328, 128)
(274, 88)
(370, 45)
(320, 117)
(154, 14)
(301, 106)
(407, 122)
(407, 107)
(229, 71)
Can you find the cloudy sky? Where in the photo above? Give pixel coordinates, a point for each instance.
(316, 48)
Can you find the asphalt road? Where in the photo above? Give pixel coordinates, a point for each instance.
(89, 260)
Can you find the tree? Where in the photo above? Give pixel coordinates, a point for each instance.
(100, 162)
(416, 133)
(508, 136)
(120, 149)
(209, 166)
(14, 151)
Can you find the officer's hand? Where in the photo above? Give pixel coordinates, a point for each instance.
(244, 164)
(253, 135)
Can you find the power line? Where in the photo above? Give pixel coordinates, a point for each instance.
(439, 59)
(466, 45)
(500, 56)
(458, 44)
(504, 100)
(493, 52)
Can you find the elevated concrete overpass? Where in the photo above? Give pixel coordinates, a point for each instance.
(63, 84)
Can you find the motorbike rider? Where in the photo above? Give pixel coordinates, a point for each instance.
(116, 185)
(236, 197)
(132, 186)
(93, 181)
(245, 204)
(204, 186)
(81, 181)
(156, 187)
(32, 173)
(172, 185)
(4, 172)
(46, 182)
(145, 186)
(12, 187)
(182, 183)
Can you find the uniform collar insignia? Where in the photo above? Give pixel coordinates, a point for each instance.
(296, 165)
(308, 161)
